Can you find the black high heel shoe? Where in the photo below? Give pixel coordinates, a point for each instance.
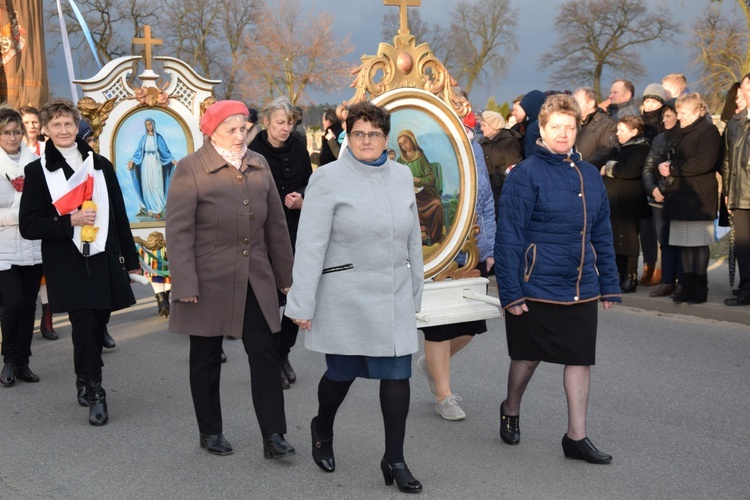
(322, 450)
(509, 431)
(584, 449)
(400, 472)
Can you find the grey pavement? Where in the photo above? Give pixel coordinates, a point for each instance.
(670, 400)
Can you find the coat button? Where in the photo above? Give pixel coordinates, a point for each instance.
(575, 298)
(239, 177)
(580, 195)
(245, 202)
(581, 233)
(251, 215)
(572, 164)
(246, 241)
(245, 253)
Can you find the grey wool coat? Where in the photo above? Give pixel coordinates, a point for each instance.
(358, 273)
(225, 228)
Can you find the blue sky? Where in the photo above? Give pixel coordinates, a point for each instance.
(361, 19)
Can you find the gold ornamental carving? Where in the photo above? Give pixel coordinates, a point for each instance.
(406, 65)
(468, 270)
(96, 114)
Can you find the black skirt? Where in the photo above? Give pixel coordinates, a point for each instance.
(555, 333)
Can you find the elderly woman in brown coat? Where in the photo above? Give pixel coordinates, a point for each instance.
(229, 253)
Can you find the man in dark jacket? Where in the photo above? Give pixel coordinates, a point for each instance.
(735, 175)
(621, 100)
(500, 147)
(598, 134)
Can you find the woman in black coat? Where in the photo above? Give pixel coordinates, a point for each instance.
(86, 280)
(693, 200)
(291, 168)
(622, 178)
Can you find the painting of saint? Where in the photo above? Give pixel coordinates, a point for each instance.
(151, 167)
(427, 186)
(146, 146)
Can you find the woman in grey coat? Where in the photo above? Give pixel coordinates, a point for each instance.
(357, 282)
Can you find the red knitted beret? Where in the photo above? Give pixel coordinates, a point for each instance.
(220, 111)
(470, 121)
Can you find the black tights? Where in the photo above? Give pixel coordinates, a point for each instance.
(394, 403)
(695, 260)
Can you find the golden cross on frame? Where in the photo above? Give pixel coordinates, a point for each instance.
(147, 41)
(402, 5)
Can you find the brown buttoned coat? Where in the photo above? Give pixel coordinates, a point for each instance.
(225, 227)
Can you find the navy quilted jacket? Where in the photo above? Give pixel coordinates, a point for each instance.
(554, 240)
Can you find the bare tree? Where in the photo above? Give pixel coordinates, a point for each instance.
(744, 6)
(481, 40)
(237, 23)
(193, 25)
(292, 51)
(719, 45)
(595, 35)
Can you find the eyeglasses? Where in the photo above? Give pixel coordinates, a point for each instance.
(359, 135)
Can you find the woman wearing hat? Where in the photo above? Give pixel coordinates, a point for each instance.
(501, 149)
(229, 254)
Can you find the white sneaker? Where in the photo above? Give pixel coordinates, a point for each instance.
(449, 409)
(422, 364)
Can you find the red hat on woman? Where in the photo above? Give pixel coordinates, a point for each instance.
(220, 111)
(470, 121)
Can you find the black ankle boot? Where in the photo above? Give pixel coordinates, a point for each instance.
(286, 367)
(45, 326)
(700, 290)
(322, 450)
(97, 399)
(108, 341)
(162, 302)
(629, 284)
(8, 374)
(399, 472)
(83, 400)
(509, 431)
(688, 283)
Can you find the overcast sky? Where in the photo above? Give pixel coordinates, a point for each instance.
(361, 19)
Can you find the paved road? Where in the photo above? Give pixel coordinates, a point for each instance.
(669, 401)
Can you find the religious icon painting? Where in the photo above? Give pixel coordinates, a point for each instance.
(428, 137)
(146, 147)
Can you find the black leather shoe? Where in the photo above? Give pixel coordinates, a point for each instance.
(399, 472)
(288, 370)
(275, 446)
(216, 444)
(584, 450)
(509, 431)
(284, 381)
(322, 450)
(8, 376)
(83, 400)
(629, 284)
(738, 300)
(162, 303)
(23, 372)
(223, 357)
(108, 342)
(662, 291)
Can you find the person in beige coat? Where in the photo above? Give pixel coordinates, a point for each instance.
(229, 253)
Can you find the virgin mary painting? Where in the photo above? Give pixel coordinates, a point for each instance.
(151, 167)
(427, 185)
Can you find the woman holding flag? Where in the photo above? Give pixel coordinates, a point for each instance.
(86, 252)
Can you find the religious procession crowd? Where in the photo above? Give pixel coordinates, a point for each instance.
(569, 193)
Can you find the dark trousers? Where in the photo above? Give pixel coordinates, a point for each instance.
(19, 287)
(288, 333)
(649, 242)
(88, 327)
(671, 268)
(262, 348)
(742, 247)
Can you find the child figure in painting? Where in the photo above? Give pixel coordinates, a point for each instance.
(152, 255)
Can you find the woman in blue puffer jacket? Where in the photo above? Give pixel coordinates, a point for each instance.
(554, 260)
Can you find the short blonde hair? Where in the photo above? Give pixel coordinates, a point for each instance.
(694, 100)
(282, 103)
(559, 103)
